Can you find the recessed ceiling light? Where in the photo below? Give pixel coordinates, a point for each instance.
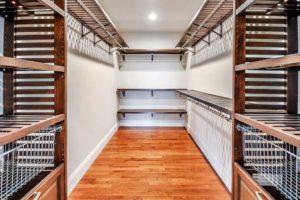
(152, 16)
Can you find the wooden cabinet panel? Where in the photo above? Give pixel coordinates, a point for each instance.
(245, 188)
(50, 188)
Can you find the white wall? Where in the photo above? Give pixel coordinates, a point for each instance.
(92, 108)
(151, 40)
(214, 77)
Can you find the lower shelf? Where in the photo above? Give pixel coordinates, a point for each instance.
(152, 111)
(284, 127)
(15, 127)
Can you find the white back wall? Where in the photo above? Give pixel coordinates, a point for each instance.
(213, 77)
(148, 74)
(92, 108)
(151, 40)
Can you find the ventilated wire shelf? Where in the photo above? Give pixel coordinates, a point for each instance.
(24, 159)
(275, 161)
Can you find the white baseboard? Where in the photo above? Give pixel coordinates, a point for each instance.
(78, 173)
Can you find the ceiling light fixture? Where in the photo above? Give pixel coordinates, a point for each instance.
(152, 16)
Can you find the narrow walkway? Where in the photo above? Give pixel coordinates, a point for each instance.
(161, 163)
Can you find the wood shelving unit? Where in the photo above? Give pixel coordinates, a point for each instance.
(265, 87)
(34, 85)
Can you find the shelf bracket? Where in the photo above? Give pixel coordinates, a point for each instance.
(152, 93)
(124, 114)
(152, 57)
(152, 115)
(123, 56)
(207, 41)
(90, 31)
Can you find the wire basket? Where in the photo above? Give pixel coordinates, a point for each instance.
(276, 162)
(24, 159)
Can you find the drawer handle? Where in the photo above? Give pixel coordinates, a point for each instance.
(37, 195)
(259, 195)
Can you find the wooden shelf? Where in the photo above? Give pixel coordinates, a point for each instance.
(8, 62)
(152, 51)
(269, 7)
(123, 90)
(30, 6)
(221, 103)
(209, 17)
(292, 60)
(15, 127)
(91, 15)
(152, 111)
(285, 127)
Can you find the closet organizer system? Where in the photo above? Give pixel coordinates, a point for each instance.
(33, 123)
(266, 135)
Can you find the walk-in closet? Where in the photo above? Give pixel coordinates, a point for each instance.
(149, 99)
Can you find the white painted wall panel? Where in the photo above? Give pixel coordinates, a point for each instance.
(92, 106)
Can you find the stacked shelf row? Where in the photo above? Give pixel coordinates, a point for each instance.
(266, 119)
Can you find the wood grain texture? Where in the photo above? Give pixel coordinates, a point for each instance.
(150, 163)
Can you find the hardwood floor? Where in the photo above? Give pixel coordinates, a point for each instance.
(157, 163)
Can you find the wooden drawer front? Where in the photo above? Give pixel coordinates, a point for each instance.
(50, 187)
(245, 188)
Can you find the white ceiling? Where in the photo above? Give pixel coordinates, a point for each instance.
(132, 15)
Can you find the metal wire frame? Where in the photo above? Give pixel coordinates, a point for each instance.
(212, 109)
(24, 159)
(274, 160)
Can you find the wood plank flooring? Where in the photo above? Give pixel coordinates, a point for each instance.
(150, 163)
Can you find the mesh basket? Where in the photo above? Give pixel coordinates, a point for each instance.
(24, 159)
(277, 163)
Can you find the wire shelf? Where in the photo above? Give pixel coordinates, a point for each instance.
(24, 159)
(275, 161)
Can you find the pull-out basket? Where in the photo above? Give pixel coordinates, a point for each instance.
(24, 159)
(277, 163)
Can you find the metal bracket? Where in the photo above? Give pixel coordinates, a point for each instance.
(152, 93)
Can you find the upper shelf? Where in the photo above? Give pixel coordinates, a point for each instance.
(15, 127)
(29, 6)
(221, 103)
(152, 51)
(284, 127)
(269, 7)
(210, 15)
(8, 62)
(292, 60)
(91, 14)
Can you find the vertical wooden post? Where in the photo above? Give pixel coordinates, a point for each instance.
(292, 73)
(60, 93)
(239, 57)
(8, 74)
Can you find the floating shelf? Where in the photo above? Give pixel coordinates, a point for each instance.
(91, 15)
(18, 126)
(209, 17)
(30, 6)
(292, 60)
(8, 62)
(221, 103)
(285, 127)
(152, 111)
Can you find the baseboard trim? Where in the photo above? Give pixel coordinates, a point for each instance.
(75, 177)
